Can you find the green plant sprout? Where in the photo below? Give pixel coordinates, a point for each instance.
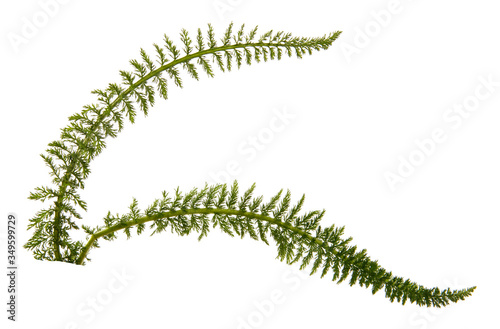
(299, 236)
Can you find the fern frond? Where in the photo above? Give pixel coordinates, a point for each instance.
(319, 248)
(68, 159)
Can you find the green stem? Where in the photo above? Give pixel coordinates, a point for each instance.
(201, 211)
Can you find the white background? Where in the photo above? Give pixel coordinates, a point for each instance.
(356, 117)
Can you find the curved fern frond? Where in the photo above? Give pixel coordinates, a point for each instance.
(84, 138)
(299, 238)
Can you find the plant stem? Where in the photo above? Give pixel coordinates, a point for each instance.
(201, 211)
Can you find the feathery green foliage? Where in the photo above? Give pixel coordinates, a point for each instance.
(84, 138)
(299, 237)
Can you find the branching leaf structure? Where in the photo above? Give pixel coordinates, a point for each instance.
(298, 236)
